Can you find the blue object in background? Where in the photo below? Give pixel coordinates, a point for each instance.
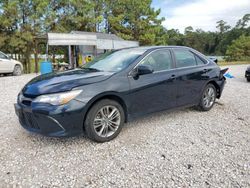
(228, 75)
(45, 67)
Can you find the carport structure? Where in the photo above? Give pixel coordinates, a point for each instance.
(87, 43)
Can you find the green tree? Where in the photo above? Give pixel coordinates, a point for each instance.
(8, 23)
(188, 30)
(240, 49)
(162, 37)
(242, 23)
(20, 21)
(175, 37)
(223, 30)
(23, 21)
(222, 26)
(134, 20)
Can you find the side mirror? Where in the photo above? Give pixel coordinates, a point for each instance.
(141, 70)
(144, 69)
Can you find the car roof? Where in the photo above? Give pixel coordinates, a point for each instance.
(157, 47)
(151, 48)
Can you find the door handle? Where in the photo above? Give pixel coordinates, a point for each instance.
(205, 70)
(172, 77)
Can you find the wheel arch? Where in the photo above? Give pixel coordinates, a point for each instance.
(17, 64)
(217, 87)
(108, 95)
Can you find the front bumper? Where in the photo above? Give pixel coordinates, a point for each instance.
(247, 74)
(56, 121)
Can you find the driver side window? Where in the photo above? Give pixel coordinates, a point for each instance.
(159, 60)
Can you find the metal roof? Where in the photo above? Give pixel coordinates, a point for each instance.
(99, 35)
(81, 38)
(59, 39)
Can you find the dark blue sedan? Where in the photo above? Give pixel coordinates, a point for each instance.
(101, 96)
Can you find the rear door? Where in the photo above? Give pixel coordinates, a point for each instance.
(5, 64)
(192, 75)
(156, 91)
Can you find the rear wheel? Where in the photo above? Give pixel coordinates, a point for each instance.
(104, 120)
(208, 98)
(17, 70)
(248, 79)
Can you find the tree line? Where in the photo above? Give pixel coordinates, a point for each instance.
(232, 42)
(23, 21)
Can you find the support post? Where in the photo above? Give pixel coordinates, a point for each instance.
(36, 57)
(70, 60)
(95, 51)
(47, 52)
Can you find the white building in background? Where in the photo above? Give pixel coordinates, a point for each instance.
(87, 43)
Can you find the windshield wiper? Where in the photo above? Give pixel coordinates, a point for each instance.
(91, 69)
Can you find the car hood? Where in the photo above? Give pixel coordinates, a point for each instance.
(62, 81)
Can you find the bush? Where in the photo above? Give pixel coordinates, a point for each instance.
(239, 50)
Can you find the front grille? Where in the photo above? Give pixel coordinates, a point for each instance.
(28, 120)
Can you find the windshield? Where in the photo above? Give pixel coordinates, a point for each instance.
(114, 61)
(3, 56)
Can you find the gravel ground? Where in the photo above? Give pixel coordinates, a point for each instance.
(184, 148)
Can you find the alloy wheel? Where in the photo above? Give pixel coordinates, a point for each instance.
(107, 120)
(18, 70)
(209, 97)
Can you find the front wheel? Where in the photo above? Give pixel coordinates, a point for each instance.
(104, 120)
(208, 98)
(248, 79)
(17, 70)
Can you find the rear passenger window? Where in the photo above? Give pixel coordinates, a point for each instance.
(199, 61)
(184, 58)
(159, 60)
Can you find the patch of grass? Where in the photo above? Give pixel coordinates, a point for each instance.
(224, 63)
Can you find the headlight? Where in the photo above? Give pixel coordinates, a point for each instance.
(58, 98)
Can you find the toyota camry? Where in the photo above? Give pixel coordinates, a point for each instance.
(118, 86)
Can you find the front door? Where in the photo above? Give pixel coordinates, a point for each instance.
(155, 91)
(5, 64)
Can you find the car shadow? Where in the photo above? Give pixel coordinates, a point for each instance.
(82, 138)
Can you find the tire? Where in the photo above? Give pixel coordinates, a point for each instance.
(208, 98)
(248, 79)
(17, 70)
(101, 114)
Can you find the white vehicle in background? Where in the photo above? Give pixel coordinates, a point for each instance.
(8, 65)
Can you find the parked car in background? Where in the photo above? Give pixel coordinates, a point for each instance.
(8, 65)
(117, 87)
(247, 74)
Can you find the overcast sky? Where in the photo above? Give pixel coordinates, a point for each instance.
(201, 13)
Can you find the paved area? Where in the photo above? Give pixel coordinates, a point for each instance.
(184, 148)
